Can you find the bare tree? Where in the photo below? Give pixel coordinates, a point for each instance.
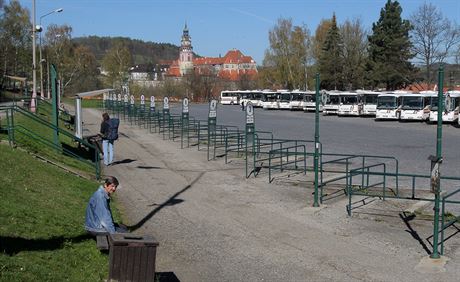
(288, 53)
(433, 36)
(354, 39)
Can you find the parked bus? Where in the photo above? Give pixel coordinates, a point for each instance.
(388, 106)
(416, 106)
(253, 96)
(309, 104)
(297, 100)
(230, 97)
(367, 102)
(269, 100)
(284, 99)
(332, 103)
(451, 107)
(349, 104)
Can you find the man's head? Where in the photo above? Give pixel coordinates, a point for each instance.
(105, 116)
(110, 184)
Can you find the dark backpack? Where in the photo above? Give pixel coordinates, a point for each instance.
(113, 129)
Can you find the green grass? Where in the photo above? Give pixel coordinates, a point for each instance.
(85, 103)
(41, 224)
(83, 165)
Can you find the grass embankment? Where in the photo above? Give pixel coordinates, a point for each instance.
(41, 225)
(85, 103)
(38, 138)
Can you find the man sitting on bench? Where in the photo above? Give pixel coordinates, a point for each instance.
(99, 220)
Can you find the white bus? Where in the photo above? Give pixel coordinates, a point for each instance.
(309, 102)
(416, 106)
(349, 104)
(451, 107)
(332, 103)
(269, 100)
(253, 96)
(388, 106)
(284, 99)
(297, 102)
(230, 97)
(368, 102)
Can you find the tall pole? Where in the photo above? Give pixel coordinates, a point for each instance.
(437, 190)
(42, 94)
(41, 59)
(34, 72)
(316, 158)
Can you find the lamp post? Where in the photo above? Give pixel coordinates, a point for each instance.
(41, 59)
(34, 72)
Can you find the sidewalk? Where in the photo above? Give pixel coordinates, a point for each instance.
(214, 225)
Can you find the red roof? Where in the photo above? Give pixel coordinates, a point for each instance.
(205, 65)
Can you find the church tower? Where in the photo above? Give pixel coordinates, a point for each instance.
(186, 53)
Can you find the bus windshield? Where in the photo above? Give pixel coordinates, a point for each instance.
(412, 103)
(386, 102)
(309, 98)
(370, 99)
(269, 97)
(349, 100)
(285, 97)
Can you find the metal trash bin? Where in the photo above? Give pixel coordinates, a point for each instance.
(132, 257)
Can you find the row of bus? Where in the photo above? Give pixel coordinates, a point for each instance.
(395, 105)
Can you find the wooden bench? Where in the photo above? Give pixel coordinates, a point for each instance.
(102, 242)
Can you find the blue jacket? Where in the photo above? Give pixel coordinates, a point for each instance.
(98, 213)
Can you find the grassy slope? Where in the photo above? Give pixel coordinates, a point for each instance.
(41, 223)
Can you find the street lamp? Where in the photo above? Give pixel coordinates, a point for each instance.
(41, 59)
(34, 73)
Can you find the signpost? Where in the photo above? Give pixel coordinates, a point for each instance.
(250, 135)
(142, 111)
(131, 109)
(324, 98)
(152, 114)
(165, 115)
(125, 106)
(184, 123)
(212, 120)
(119, 104)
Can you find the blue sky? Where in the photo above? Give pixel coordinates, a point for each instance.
(215, 26)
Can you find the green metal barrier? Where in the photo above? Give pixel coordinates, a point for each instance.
(347, 163)
(14, 129)
(449, 223)
(384, 190)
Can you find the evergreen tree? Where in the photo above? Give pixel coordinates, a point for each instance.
(331, 59)
(389, 49)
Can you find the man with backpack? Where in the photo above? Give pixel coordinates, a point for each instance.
(109, 133)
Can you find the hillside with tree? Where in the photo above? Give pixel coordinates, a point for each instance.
(142, 52)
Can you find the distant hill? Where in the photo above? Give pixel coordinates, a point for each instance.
(143, 52)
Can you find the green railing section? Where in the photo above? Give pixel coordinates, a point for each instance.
(374, 181)
(371, 176)
(36, 134)
(447, 220)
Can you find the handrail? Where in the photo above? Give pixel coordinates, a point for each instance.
(51, 126)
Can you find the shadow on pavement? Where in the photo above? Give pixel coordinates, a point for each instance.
(125, 161)
(412, 232)
(148, 167)
(170, 202)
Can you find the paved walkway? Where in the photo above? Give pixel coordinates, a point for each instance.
(214, 225)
